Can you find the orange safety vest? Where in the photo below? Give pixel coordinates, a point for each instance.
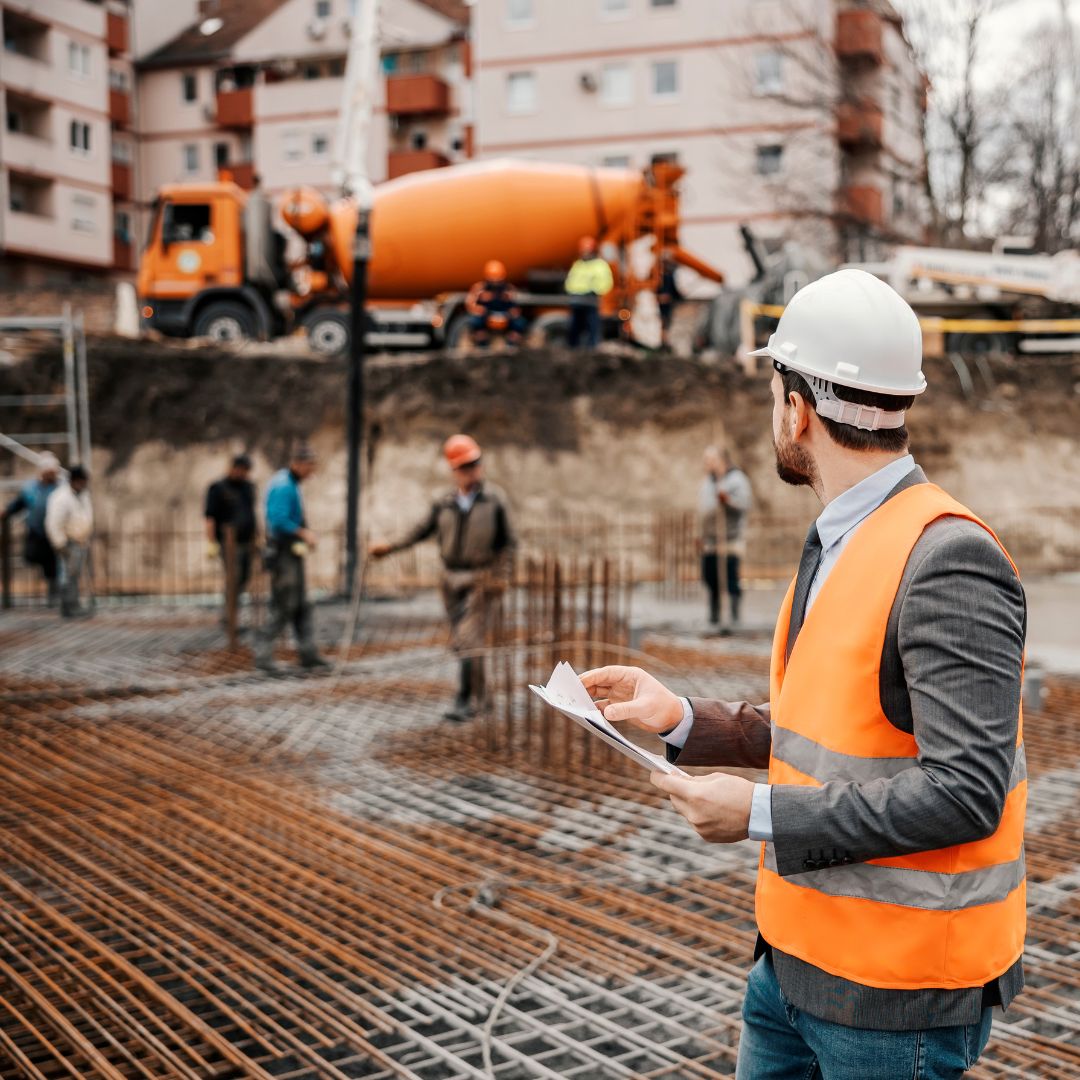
(951, 918)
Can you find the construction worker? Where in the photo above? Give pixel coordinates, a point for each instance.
(493, 306)
(32, 497)
(476, 542)
(589, 279)
(667, 296)
(723, 503)
(891, 885)
(69, 523)
(288, 543)
(230, 502)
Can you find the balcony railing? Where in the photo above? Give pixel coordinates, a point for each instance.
(121, 180)
(236, 108)
(864, 203)
(859, 124)
(860, 36)
(402, 162)
(417, 95)
(119, 107)
(116, 32)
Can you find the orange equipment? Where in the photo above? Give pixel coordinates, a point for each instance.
(950, 918)
(461, 450)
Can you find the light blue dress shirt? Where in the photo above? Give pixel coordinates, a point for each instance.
(836, 525)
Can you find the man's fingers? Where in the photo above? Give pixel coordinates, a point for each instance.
(671, 784)
(600, 678)
(622, 711)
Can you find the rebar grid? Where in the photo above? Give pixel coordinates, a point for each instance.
(189, 889)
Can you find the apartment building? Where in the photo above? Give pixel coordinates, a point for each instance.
(802, 118)
(66, 150)
(255, 87)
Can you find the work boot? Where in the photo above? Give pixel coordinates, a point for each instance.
(266, 665)
(461, 711)
(314, 662)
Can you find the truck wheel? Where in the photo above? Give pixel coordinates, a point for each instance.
(457, 334)
(328, 333)
(226, 322)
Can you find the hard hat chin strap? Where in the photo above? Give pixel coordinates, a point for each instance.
(866, 417)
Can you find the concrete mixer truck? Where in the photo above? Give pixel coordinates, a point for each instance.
(213, 268)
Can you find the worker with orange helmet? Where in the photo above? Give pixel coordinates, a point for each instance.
(493, 306)
(476, 542)
(589, 279)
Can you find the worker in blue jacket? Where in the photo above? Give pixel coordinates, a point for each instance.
(32, 497)
(289, 540)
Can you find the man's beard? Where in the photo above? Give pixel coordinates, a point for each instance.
(794, 465)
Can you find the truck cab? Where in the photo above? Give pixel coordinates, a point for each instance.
(208, 267)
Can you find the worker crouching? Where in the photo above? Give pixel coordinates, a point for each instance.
(476, 544)
(493, 308)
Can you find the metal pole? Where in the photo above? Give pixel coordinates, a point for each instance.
(69, 387)
(355, 425)
(84, 389)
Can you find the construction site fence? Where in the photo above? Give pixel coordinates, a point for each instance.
(167, 557)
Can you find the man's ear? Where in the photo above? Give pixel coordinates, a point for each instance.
(798, 415)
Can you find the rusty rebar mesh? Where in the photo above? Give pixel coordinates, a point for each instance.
(208, 874)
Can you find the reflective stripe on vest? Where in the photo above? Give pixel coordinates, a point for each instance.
(950, 918)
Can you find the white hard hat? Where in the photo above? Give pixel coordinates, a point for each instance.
(851, 329)
(48, 460)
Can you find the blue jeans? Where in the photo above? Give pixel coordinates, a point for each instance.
(779, 1042)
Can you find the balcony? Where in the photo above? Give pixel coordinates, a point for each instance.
(123, 254)
(864, 203)
(119, 107)
(235, 108)
(242, 173)
(403, 162)
(859, 124)
(116, 33)
(122, 187)
(860, 36)
(417, 95)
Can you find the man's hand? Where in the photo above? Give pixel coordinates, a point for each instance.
(379, 551)
(213, 549)
(717, 806)
(306, 536)
(628, 694)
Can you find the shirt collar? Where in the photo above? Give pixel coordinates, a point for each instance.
(860, 501)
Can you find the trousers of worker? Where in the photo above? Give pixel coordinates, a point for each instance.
(289, 605)
(467, 608)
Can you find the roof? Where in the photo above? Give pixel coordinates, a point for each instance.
(239, 18)
(192, 46)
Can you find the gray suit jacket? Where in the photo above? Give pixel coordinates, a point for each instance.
(950, 675)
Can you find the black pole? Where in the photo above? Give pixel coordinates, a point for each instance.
(355, 423)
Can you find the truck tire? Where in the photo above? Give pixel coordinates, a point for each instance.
(226, 322)
(457, 333)
(328, 333)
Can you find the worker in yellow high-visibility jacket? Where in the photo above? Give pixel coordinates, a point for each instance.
(589, 278)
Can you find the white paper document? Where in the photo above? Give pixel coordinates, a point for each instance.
(565, 692)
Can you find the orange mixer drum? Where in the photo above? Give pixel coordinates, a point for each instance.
(433, 232)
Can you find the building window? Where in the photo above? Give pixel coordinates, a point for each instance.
(118, 79)
(79, 136)
(616, 161)
(521, 92)
(186, 223)
(82, 214)
(189, 87)
(614, 7)
(769, 78)
(519, 13)
(323, 9)
(665, 79)
(121, 151)
(190, 155)
(221, 155)
(28, 195)
(78, 58)
(616, 84)
(320, 146)
(292, 149)
(662, 3)
(769, 160)
(14, 122)
(312, 71)
(122, 226)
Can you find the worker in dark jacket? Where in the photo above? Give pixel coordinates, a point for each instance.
(476, 542)
(667, 296)
(288, 542)
(32, 497)
(493, 305)
(230, 502)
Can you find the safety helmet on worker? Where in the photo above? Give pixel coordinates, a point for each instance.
(494, 270)
(461, 450)
(48, 462)
(587, 245)
(851, 329)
